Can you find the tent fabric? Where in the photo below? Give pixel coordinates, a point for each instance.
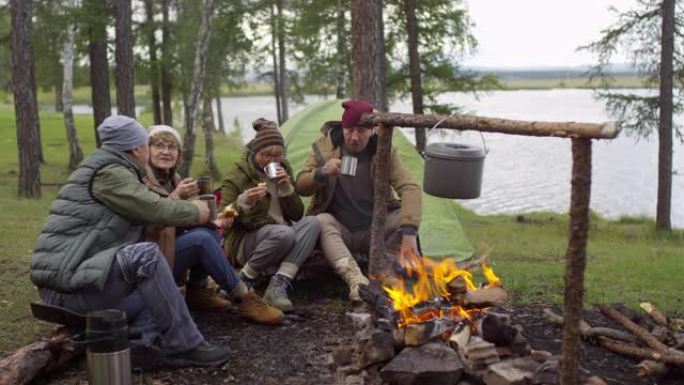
(441, 233)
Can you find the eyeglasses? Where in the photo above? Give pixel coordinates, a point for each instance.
(167, 147)
(271, 154)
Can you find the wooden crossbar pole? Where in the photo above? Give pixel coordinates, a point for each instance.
(505, 126)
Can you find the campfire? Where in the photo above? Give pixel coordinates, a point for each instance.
(433, 323)
(436, 291)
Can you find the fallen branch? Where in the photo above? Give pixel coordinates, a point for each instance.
(650, 368)
(621, 347)
(615, 334)
(657, 316)
(588, 331)
(635, 351)
(635, 329)
(38, 357)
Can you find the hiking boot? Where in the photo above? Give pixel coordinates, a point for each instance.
(253, 308)
(205, 298)
(205, 354)
(276, 293)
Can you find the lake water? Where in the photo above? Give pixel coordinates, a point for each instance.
(524, 174)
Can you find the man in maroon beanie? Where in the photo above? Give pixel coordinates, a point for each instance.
(339, 175)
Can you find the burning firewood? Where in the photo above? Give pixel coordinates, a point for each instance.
(420, 333)
(486, 297)
(460, 337)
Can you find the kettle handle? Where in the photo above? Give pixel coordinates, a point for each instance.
(427, 135)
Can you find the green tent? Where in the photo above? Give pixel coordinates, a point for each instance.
(441, 234)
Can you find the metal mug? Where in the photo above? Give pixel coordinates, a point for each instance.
(271, 169)
(210, 200)
(349, 165)
(204, 185)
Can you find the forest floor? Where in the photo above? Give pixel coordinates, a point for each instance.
(299, 352)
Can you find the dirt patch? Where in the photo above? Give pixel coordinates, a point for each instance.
(299, 351)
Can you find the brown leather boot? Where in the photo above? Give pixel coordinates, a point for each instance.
(205, 298)
(253, 308)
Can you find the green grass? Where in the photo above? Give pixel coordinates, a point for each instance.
(143, 94)
(627, 260)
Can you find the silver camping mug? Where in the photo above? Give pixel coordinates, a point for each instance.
(210, 200)
(271, 169)
(349, 165)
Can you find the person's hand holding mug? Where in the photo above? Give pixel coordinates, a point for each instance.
(256, 194)
(281, 176)
(332, 167)
(204, 212)
(186, 189)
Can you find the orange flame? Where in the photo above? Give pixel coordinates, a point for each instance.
(430, 279)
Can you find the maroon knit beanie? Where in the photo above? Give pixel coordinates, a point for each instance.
(353, 110)
(267, 136)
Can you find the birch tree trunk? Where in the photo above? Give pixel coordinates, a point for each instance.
(209, 128)
(198, 72)
(99, 64)
(166, 81)
(25, 108)
(414, 65)
(282, 68)
(57, 87)
(219, 112)
(34, 86)
(154, 65)
(276, 72)
(125, 97)
(665, 122)
(75, 153)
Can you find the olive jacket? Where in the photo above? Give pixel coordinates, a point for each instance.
(311, 182)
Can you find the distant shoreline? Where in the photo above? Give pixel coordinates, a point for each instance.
(509, 83)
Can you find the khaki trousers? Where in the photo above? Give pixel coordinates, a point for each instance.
(338, 242)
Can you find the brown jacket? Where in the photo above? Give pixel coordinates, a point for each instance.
(164, 237)
(327, 147)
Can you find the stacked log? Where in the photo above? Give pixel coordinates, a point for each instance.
(659, 358)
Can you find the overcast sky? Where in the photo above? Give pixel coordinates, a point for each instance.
(525, 33)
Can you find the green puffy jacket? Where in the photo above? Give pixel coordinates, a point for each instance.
(101, 209)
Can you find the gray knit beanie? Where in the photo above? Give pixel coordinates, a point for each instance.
(122, 133)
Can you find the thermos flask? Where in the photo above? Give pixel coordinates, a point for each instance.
(108, 353)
